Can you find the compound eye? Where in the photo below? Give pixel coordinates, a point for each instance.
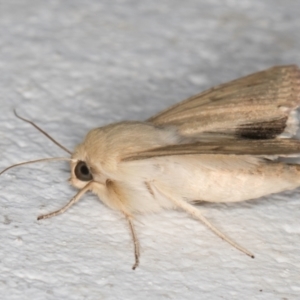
(82, 172)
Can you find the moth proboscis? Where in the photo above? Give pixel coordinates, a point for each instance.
(223, 145)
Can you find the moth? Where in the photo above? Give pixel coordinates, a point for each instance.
(226, 144)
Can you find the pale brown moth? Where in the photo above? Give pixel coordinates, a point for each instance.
(223, 145)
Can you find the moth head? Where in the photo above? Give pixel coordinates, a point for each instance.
(86, 163)
(96, 158)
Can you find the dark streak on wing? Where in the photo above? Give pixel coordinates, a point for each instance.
(262, 130)
(278, 147)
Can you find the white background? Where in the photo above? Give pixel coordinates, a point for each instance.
(74, 65)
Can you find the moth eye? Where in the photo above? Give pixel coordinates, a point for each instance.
(82, 172)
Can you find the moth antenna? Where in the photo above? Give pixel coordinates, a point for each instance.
(43, 132)
(36, 161)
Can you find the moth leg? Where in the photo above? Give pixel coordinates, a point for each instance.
(135, 242)
(198, 215)
(68, 205)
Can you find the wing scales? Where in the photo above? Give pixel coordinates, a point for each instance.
(243, 117)
(263, 97)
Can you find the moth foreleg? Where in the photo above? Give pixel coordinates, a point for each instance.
(68, 205)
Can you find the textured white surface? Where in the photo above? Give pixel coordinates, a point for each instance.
(74, 65)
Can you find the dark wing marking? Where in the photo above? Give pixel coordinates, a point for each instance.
(276, 147)
(262, 130)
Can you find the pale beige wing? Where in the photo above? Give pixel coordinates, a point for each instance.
(276, 147)
(257, 106)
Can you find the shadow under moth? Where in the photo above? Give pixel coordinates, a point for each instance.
(226, 144)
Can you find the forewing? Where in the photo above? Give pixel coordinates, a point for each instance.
(257, 106)
(276, 147)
